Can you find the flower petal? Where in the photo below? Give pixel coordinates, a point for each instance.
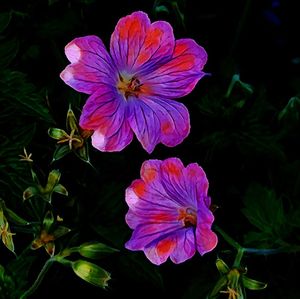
(154, 120)
(138, 45)
(90, 65)
(146, 233)
(144, 123)
(105, 113)
(206, 239)
(173, 179)
(197, 183)
(180, 74)
(159, 250)
(149, 204)
(185, 246)
(174, 120)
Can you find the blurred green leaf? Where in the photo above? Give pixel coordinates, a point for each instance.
(5, 18)
(8, 51)
(6, 284)
(24, 100)
(141, 269)
(265, 211)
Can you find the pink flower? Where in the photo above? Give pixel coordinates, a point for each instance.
(132, 87)
(169, 211)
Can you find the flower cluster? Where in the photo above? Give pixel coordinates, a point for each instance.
(132, 90)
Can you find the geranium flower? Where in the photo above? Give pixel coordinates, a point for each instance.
(132, 88)
(169, 211)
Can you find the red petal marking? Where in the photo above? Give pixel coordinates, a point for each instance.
(173, 168)
(139, 188)
(164, 246)
(161, 217)
(150, 175)
(166, 128)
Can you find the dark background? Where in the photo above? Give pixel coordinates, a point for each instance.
(247, 143)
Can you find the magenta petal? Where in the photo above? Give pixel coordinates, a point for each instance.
(173, 178)
(185, 246)
(146, 233)
(138, 45)
(197, 183)
(144, 123)
(90, 65)
(206, 239)
(159, 250)
(105, 113)
(179, 76)
(173, 117)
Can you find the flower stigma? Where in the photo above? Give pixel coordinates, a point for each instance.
(129, 86)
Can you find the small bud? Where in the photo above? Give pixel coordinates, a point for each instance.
(95, 250)
(91, 273)
(57, 134)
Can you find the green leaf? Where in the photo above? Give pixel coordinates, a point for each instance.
(95, 250)
(60, 189)
(60, 152)
(91, 273)
(30, 192)
(5, 18)
(83, 153)
(60, 231)
(252, 284)
(13, 217)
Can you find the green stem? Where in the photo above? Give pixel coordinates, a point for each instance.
(227, 238)
(39, 279)
(238, 258)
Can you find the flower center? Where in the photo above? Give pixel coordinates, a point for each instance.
(188, 216)
(129, 86)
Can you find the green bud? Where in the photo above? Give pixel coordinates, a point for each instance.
(95, 250)
(91, 273)
(48, 221)
(222, 267)
(71, 122)
(57, 134)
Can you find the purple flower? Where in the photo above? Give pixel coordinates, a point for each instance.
(132, 88)
(169, 211)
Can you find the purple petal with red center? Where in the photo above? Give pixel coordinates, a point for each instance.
(169, 211)
(138, 45)
(90, 65)
(180, 74)
(159, 250)
(158, 121)
(105, 112)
